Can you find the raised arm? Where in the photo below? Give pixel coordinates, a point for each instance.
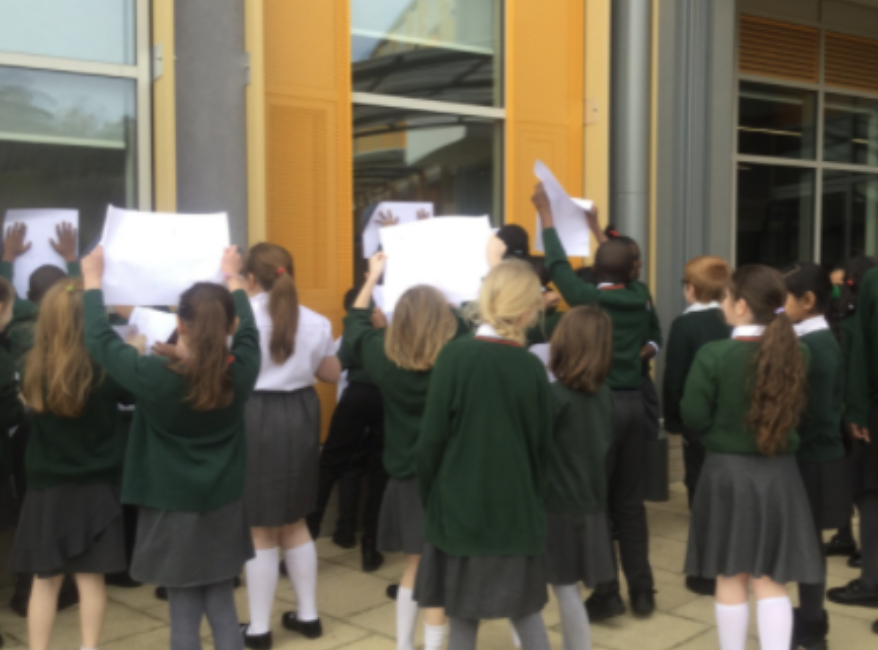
(364, 345)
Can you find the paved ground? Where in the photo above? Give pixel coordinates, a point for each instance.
(357, 616)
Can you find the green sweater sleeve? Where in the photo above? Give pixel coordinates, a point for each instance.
(245, 343)
(436, 428)
(11, 409)
(698, 406)
(364, 343)
(655, 327)
(678, 355)
(574, 290)
(862, 368)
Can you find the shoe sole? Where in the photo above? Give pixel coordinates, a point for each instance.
(870, 604)
(615, 613)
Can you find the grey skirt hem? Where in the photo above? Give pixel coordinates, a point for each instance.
(70, 529)
(751, 515)
(402, 519)
(481, 587)
(578, 549)
(283, 456)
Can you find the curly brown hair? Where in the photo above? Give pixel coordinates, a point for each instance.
(778, 395)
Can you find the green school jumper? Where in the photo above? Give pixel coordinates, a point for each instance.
(628, 306)
(576, 480)
(178, 459)
(689, 333)
(820, 429)
(484, 448)
(11, 410)
(862, 385)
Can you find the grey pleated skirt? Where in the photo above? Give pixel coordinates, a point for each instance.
(402, 519)
(190, 549)
(283, 456)
(578, 549)
(70, 529)
(481, 587)
(751, 515)
(828, 486)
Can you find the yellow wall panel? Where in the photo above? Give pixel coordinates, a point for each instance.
(165, 110)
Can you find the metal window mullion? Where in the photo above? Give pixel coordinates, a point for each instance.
(772, 160)
(427, 105)
(821, 127)
(55, 64)
(144, 107)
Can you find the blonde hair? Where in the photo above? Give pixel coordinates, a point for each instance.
(509, 291)
(422, 323)
(59, 373)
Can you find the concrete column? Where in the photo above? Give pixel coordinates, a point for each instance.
(630, 119)
(211, 110)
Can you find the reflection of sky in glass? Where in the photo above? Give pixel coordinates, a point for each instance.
(56, 104)
(90, 30)
(374, 16)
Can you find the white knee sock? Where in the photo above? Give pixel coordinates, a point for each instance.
(302, 569)
(406, 619)
(775, 617)
(731, 623)
(262, 576)
(434, 637)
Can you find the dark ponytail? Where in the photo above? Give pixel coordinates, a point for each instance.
(272, 267)
(778, 396)
(207, 313)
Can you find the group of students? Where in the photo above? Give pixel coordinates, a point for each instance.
(502, 475)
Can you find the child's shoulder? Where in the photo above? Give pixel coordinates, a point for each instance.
(309, 317)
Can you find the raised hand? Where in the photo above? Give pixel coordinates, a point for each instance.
(66, 245)
(14, 244)
(377, 263)
(422, 215)
(93, 268)
(386, 219)
(544, 207)
(550, 300)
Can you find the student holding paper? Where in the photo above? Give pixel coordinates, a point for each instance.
(629, 306)
(400, 361)
(185, 464)
(71, 522)
(283, 442)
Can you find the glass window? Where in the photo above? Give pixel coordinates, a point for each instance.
(442, 50)
(67, 141)
(775, 214)
(89, 30)
(448, 160)
(776, 121)
(851, 130)
(850, 216)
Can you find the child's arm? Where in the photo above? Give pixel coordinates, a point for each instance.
(435, 427)
(678, 362)
(699, 397)
(364, 343)
(572, 288)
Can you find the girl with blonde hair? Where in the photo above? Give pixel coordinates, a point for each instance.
(400, 361)
(481, 468)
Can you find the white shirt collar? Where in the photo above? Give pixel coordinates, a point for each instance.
(605, 284)
(488, 332)
(748, 331)
(811, 325)
(702, 306)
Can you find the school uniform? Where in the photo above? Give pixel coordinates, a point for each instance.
(578, 547)
(11, 415)
(72, 520)
(629, 308)
(700, 324)
(184, 468)
(283, 422)
(751, 512)
(481, 467)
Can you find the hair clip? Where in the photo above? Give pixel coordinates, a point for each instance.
(280, 270)
(614, 234)
(850, 282)
(780, 310)
(69, 288)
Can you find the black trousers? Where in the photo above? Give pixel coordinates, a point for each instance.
(352, 457)
(626, 465)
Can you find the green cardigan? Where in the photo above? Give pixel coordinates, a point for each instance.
(484, 448)
(862, 383)
(11, 410)
(629, 307)
(583, 435)
(689, 332)
(820, 429)
(717, 397)
(83, 451)
(404, 392)
(178, 458)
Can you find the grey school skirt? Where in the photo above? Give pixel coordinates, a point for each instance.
(70, 529)
(283, 456)
(578, 549)
(751, 515)
(402, 520)
(481, 587)
(190, 549)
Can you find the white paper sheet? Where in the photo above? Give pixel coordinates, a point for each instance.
(402, 212)
(40, 229)
(448, 253)
(569, 215)
(153, 257)
(542, 352)
(156, 326)
(124, 331)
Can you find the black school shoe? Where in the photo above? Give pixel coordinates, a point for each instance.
(372, 559)
(344, 539)
(854, 594)
(392, 591)
(856, 561)
(308, 629)
(809, 635)
(601, 607)
(643, 601)
(838, 547)
(701, 586)
(256, 641)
